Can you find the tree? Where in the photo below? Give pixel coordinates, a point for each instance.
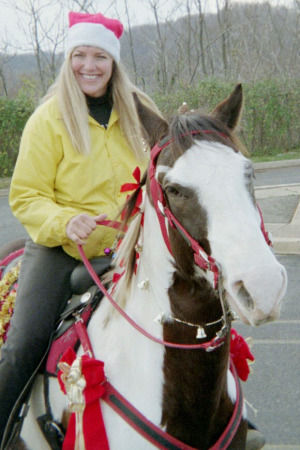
(5, 57)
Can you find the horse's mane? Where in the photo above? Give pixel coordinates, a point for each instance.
(181, 138)
(125, 257)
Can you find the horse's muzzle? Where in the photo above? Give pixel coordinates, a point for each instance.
(257, 295)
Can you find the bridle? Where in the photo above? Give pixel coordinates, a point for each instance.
(202, 259)
(165, 215)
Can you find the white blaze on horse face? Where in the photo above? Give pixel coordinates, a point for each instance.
(254, 280)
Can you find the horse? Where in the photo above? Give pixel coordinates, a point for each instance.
(195, 250)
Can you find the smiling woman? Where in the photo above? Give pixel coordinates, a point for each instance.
(92, 68)
(78, 148)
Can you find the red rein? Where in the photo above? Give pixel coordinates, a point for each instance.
(214, 343)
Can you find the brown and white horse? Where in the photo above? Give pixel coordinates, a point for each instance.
(195, 249)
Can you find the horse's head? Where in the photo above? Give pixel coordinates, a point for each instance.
(206, 184)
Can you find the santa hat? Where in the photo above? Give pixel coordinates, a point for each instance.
(95, 30)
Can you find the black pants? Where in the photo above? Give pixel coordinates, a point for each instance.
(43, 290)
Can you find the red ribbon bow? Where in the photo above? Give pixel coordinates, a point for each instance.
(240, 355)
(133, 187)
(92, 376)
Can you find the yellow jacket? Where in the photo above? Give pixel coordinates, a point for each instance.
(52, 182)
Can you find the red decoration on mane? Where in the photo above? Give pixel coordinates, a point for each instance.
(126, 187)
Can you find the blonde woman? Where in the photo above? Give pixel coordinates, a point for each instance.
(78, 148)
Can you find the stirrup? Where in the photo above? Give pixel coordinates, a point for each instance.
(53, 431)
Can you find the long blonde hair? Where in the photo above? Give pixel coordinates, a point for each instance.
(74, 110)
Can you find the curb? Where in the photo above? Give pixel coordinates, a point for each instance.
(286, 236)
(276, 164)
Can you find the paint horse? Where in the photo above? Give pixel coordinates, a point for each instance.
(195, 249)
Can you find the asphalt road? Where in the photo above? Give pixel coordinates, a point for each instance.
(284, 175)
(273, 389)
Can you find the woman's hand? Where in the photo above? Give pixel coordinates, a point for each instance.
(80, 227)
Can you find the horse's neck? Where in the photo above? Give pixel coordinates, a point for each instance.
(192, 383)
(195, 388)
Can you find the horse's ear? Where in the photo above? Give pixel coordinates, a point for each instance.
(154, 125)
(229, 110)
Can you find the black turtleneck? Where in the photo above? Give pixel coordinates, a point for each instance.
(100, 107)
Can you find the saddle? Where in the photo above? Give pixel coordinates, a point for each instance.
(83, 302)
(86, 297)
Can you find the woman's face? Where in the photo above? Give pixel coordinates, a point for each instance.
(92, 68)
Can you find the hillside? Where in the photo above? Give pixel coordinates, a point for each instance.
(247, 42)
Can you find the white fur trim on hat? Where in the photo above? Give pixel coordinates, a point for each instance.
(95, 35)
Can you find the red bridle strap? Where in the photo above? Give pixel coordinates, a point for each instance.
(201, 258)
(264, 231)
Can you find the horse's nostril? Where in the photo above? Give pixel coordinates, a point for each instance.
(245, 297)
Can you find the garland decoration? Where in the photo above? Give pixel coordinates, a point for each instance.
(8, 292)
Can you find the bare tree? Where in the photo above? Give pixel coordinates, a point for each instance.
(5, 58)
(43, 30)
(223, 20)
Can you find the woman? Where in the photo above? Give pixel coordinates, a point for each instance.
(78, 148)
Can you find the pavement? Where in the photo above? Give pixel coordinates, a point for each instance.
(280, 207)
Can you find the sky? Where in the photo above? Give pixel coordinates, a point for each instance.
(139, 11)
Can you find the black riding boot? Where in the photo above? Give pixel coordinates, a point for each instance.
(43, 290)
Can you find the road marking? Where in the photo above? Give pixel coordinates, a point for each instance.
(281, 447)
(276, 341)
(275, 323)
(279, 322)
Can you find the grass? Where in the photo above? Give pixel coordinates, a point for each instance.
(277, 157)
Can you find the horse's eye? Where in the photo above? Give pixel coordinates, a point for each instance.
(171, 190)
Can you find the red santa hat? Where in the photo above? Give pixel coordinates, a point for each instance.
(95, 30)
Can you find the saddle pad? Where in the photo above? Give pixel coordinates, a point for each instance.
(66, 340)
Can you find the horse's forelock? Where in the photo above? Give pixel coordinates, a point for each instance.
(183, 128)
